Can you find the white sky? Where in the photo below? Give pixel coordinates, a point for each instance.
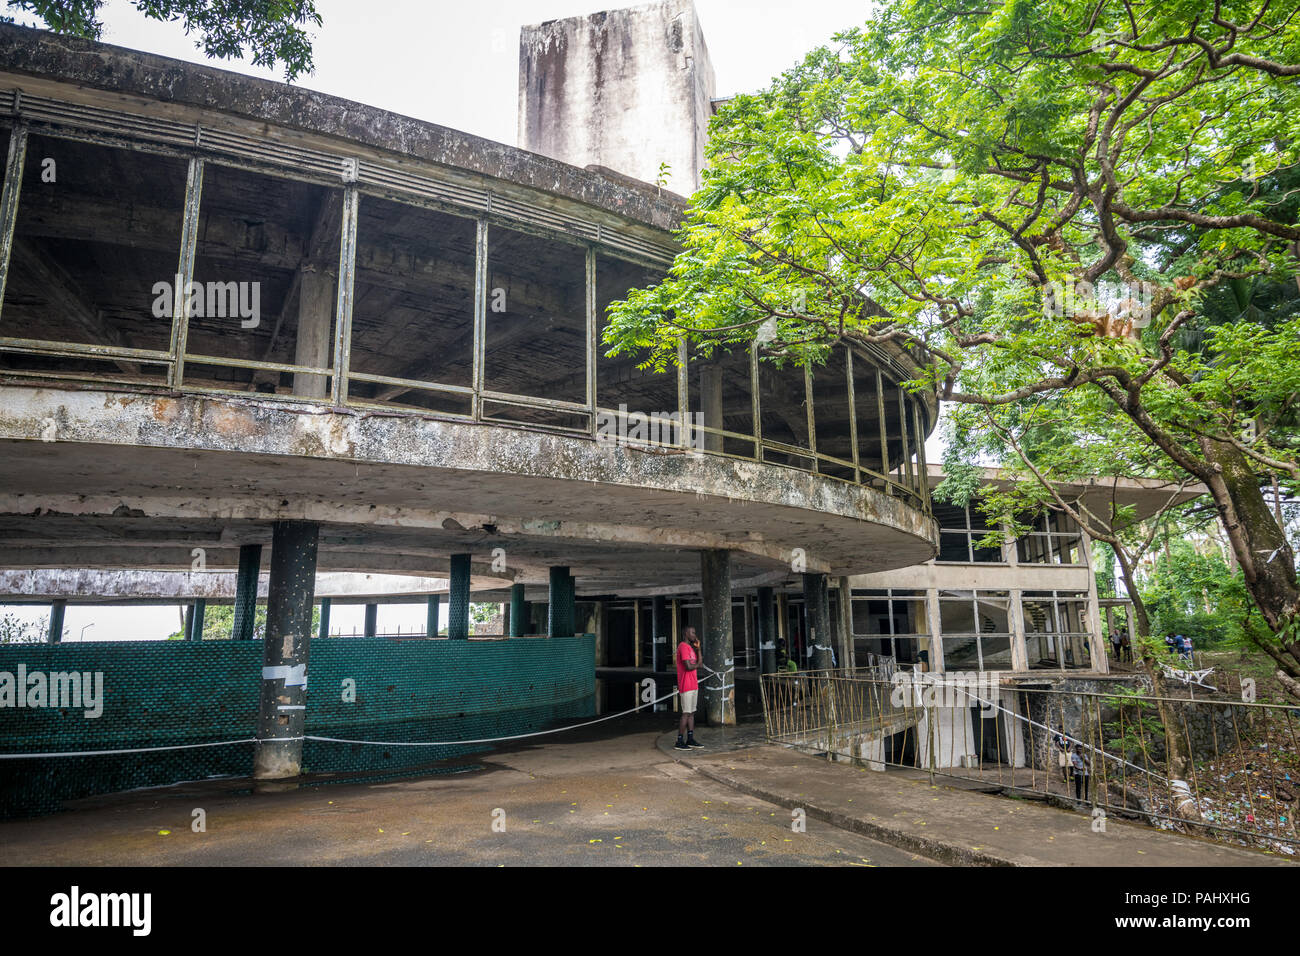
(456, 64)
(150, 622)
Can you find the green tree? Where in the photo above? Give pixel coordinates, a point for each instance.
(14, 630)
(271, 31)
(1194, 592)
(219, 623)
(1078, 205)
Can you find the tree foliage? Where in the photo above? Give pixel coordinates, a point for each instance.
(1194, 593)
(219, 623)
(1080, 217)
(271, 32)
(14, 630)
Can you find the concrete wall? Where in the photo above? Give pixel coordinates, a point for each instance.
(1012, 576)
(158, 694)
(990, 576)
(1212, 726)
(625, 89)
(955, 739)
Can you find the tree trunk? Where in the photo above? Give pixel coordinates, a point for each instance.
(1178, 762)
(1261, 549)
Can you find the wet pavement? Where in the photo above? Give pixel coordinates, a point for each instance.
(599, 796)
(948, 819)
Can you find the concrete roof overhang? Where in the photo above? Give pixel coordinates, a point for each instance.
(120, 478)
(145, 81)
(1146, 496)
(138, 480)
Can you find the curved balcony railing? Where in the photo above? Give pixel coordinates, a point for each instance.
(196, 258)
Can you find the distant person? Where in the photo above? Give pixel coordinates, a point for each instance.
(1116, 646)
(1185, 647)
(1079, 770)
(1126, 647)
(688, 689)
(1171, 645)
(1062, 757)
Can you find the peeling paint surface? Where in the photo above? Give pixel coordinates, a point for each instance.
(399, 493)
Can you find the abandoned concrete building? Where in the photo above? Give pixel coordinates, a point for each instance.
(259, 344)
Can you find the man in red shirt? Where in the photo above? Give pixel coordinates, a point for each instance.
(688, 688)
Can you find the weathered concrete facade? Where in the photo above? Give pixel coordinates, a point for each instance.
(228, 306)
(623, 89)
(192, 418)
(1027, 607)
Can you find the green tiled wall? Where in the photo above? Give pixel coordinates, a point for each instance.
(163, 693)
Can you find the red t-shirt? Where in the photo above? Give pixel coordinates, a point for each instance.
(686, 680)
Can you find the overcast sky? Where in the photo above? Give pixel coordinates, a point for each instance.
(457, 64)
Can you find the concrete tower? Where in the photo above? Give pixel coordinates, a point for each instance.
(624, 89)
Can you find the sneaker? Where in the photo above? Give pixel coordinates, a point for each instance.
(679, 745)
(693, 744)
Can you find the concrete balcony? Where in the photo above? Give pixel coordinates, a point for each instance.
(228, 302)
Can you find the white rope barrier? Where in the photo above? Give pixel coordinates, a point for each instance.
(338, 740)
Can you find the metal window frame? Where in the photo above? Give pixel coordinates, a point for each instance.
(419, 184)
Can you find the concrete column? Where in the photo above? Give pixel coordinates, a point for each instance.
(372, 620)
(571, 596)
(245, 619)
(659, 632)
(187, 623)
(766, 632)
(282, 703)
(845, 645)
(1016, 614)
(1096, 643)
(458, 599)
(817, 610)
(55, 632)
(194, 620)
(324, 629)
(518, 611)
(315, 315)
(430, 627)
(718, 677)
(659, 637)
(561, 609)
(601, 629)
(636, 634)
(710, 407)
(936, 630)
(751, 656)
